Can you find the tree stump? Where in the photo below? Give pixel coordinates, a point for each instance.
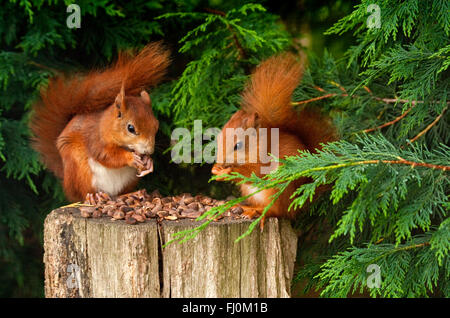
(96, 257)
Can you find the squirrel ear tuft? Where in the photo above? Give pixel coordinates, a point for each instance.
(146, 98)
(252, 121)
(120, 99)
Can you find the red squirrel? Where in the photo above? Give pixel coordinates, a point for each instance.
(266, 103)
(97, 132)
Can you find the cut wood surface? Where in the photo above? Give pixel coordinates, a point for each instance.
(97, 257)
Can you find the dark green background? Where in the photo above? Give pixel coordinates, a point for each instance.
(35, 44)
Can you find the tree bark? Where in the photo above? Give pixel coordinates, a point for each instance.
(103, 258)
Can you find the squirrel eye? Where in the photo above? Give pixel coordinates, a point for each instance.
(131, 129)
(238, 145)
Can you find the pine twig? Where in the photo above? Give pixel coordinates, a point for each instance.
(414, 164)
(401, 161)
(385, 100)
(389, 123)
(45, 67)
(342, 88)
(240, 48)
(379, 241)
(429, 126)
(403, 248)
(345, 94)
(413, 246)
(215, 11)
(242, 54)
(76, 205)
(320, 89)
(313, 99)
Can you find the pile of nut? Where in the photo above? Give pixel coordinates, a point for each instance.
(140, 206)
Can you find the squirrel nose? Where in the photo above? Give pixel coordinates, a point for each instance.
(150, 150)
(145, 148)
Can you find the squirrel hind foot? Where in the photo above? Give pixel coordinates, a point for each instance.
(250, 212)
(253, 212)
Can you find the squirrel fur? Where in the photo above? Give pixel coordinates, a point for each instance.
(95, 132)
(267, 103)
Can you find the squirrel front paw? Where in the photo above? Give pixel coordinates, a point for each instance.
(219, 170)
(143, 164)
(250, 212)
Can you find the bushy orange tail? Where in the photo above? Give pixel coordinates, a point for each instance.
(269, 94)
(66, 97)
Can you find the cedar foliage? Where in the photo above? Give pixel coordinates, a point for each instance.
(36, 44)
(389, 174)
(381, 209)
